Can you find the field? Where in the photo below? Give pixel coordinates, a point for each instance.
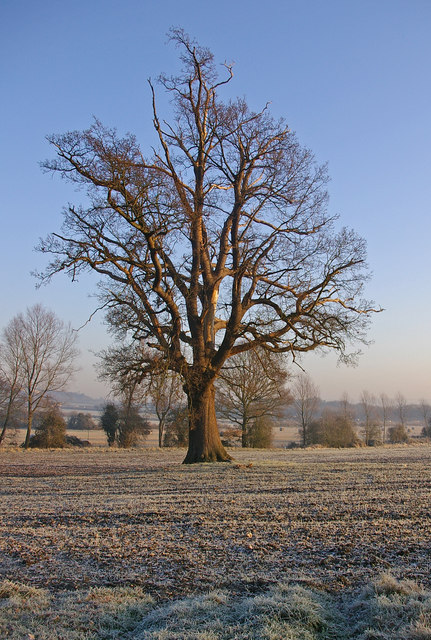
(318, 543)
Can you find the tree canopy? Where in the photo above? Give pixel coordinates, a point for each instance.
(214, 241)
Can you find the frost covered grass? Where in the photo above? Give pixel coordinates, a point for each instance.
(35, 614)
(131, 544)
(386, 610)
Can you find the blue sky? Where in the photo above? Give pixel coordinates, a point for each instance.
(352, 78)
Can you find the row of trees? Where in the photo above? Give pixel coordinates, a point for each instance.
(37, 354)
(376, 421)
(36, 357)
(250, 393)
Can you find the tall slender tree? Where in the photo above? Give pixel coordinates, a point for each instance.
(11, 383)
(215, 241)
(305, 401)
(386, 407)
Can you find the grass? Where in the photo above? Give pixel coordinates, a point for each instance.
(131, 544)
(386, 610)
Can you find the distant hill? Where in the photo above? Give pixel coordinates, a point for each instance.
(73, 400)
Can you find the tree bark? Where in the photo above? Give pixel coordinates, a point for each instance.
(3, 433)
(244, 432)
(204, 438)
(28, 434)
(5, 423)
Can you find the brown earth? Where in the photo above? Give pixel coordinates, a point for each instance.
(328, 518)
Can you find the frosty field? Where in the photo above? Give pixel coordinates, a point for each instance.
(122, 544)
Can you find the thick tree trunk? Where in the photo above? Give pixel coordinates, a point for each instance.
(204, 438)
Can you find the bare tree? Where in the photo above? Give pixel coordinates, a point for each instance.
(251, 387)
(401, 405)
(213, 243)
(138, 374)
(386, 406)
(372, 433)
(426, 414)
(11, 383)
(122, 366)
(345, 403)
(44, 349)
(306, 401)
(165, 391)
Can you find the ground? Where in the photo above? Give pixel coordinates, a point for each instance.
(330, 520)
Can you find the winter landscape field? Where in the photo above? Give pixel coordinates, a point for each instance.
(299, 544)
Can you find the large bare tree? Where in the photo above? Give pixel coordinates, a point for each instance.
(44, 349)
(214, 242)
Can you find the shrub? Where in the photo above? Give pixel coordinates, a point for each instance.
(332, 430)
(131, 427)
(50, 433)
(124, 425)
(426, 431)
(398, 434)
(81, 421)
(109, 422)
(260, 434)
(74, 441)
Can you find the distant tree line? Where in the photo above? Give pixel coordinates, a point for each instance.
(374, 421)
(254, 394)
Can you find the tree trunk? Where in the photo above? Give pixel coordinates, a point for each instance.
(162, 421)
(5, 425)
(28, 434)
(3, 433)
(204, 438)
(244, 433)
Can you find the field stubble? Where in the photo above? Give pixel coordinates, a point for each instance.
(324, 518)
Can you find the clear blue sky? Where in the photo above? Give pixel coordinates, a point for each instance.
(352, 79)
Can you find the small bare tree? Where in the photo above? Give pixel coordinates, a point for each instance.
(386, 406)
(401, 406)
(165, 391)
(43, 349)
(346, 406)
(426, 415)
(251, 387)
(372, 433)
(10, 386)
(306, 401)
